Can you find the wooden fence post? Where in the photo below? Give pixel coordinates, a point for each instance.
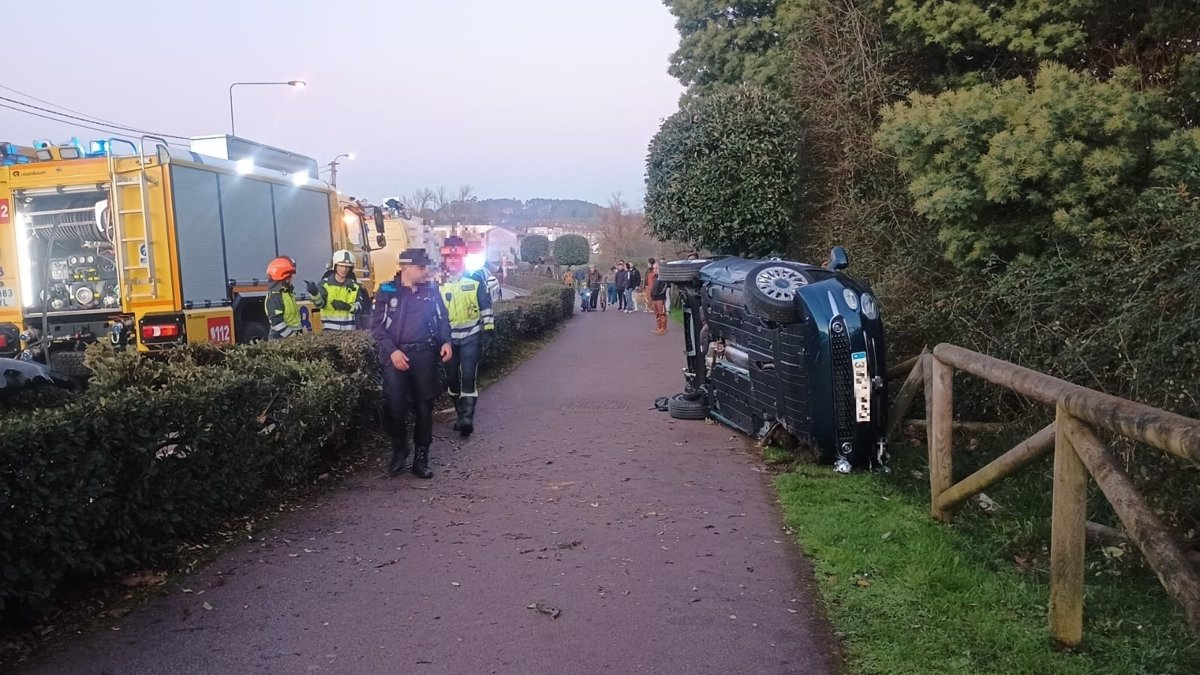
(908, 392)
(941, 430)
(1172, 567)
(1067, 535)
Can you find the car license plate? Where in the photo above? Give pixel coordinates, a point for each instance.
(862, 386)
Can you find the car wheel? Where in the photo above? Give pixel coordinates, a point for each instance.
(682, 408)
(69, 364)
(254, 332)
(681, 271)
(771, 290)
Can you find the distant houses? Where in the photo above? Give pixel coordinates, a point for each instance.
(502, 245)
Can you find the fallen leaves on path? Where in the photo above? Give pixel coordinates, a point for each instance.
(145, 579)
(552, 612)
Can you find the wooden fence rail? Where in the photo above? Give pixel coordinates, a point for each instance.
(1079, 453)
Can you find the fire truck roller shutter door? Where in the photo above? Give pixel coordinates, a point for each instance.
(302, 222)
(249, 226)
(198, 226)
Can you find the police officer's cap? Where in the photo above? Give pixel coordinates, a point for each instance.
(415, 256)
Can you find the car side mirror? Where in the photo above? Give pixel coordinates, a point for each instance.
(380, 240)
(838, 259)
(379, 220)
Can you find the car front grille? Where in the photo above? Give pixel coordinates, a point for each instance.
(843, 381)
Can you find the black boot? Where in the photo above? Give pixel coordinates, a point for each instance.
(420, 467)
(467, 419)
(399, 456)
(458, 408)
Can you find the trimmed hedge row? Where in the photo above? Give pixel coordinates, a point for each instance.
(159, 451)
(529, 281)
(528, 318)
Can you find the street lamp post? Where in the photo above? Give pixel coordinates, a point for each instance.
(296, 84)
(333, 168)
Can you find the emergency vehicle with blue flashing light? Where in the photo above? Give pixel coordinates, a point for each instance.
(150, 245)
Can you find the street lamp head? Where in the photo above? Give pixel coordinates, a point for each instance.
(350, 155)
(298, 84)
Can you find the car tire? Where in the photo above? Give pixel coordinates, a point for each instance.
(254, 332)
(771, 291)
(682, 408)
(69, 364)
(681, 271)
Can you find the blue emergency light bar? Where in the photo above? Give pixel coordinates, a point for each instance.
(10, 154)
(47, 151)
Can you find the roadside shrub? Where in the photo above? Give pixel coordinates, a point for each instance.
(564, 294)
(531, 280)
(572, 249)
(159, 450)
(533, 247)
(724, 173)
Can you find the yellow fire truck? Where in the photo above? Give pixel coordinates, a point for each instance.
(159, 245)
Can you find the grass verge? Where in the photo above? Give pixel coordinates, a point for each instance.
(908, 595)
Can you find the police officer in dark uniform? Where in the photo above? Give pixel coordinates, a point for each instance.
(411, 327)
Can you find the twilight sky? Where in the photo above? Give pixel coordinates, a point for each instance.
(519, 98)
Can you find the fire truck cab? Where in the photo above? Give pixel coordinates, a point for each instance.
(158, 245)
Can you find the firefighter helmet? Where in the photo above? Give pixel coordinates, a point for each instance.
(281, 268)
(342, 257)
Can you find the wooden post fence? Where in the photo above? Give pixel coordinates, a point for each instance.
(1079, 453)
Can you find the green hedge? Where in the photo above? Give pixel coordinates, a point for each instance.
(160, 451)
(529, 317)
(155, 452)
(529, 281)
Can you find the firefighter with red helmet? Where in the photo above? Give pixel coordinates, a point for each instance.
(283, 314)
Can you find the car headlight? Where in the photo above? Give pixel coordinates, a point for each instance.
(870, 307)
(851, 298)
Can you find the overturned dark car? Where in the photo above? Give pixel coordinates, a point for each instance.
(774, 345)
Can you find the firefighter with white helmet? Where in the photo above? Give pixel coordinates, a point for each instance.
(339, 295)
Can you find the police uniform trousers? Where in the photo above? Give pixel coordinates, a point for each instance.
(416, 387)
(463, 369)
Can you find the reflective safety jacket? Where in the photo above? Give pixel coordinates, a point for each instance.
(470, 307)
(283, 314)
(348, 292)
(486, 277)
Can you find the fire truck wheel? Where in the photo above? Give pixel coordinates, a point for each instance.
(68, 364)
(254, 332)
(682, 408)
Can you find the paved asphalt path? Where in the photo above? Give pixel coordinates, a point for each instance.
(657, 545)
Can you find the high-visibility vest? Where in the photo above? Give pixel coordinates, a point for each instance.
(283, 313)
(470, 308)
(336, 319)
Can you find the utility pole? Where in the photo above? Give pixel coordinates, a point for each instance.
(333, 165)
